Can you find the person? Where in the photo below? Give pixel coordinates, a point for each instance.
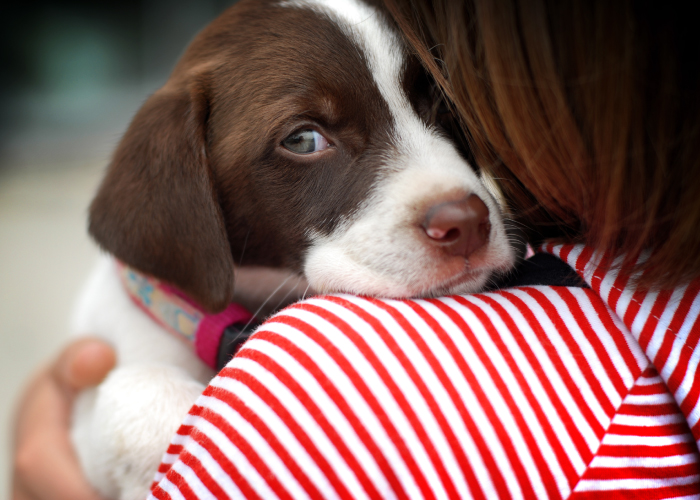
(44, 463)
(570, 382)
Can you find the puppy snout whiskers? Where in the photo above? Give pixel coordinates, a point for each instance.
(460, 228)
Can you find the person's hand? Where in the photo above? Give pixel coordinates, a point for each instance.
(45, 466)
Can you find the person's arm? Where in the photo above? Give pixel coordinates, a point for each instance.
(45, 466)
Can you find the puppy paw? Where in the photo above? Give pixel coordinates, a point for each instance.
(122, 428)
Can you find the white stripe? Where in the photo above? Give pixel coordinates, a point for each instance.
(492, 390)
(299, 414)
(231, 451)
(643, 380)
(661, 329)
(688, 497)
(195, 484)
(642, 316)
(624, 440)
(647, 462)
(158, 477)
(323, 401)
(583, 343)
(475, 410)
(443, 399)
(534, 383)
(623, 302)
(692, 321)
(428, 376)
(169, 458)
(633, 484)
(649, 399)
(647, 420)
(170, 489)
(606, 338)
(607, 284)
(694, 415)
(384, 397)
(627, 296)
(177, 439)
(212, 466)
(349, 392)
(552, 375)
(572, 367)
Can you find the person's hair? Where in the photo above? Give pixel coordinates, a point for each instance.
(589, 107)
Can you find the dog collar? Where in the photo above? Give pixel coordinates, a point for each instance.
(215, 337)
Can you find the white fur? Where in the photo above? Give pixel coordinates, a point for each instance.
(381, 250)
(122, 428)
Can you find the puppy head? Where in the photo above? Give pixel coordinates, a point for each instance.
(298, 135)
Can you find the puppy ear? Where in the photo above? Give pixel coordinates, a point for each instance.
(157, 209)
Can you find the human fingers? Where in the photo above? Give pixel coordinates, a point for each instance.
(45, 466)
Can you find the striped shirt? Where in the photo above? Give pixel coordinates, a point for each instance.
(527, 392)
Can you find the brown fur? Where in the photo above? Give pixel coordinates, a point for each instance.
(200, 181)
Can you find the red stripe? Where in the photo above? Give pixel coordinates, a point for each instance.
(648, 410)
(220, 458)
(482, 399)
(600, 351)
(572, 387)
(649, 390)
(632, 311)
(696, 432)
(641, 494)
(618, 287)
(174, 449)
(361, 386)
(472, 428)
(564, 252)
(626, 472)
(163, 468)
(670, 334)
(581, 261)
(268, 434)
(562, 457)
(284, 376)
(640, 450)
(182, 485)
(235, 439)
(445, 382)
(504, 435)
(389, 381)
(617, 335)
(691, 343)
(193, 463)
(185, 430)
(650, 430)
(160, 493)
(652, 321)
(556, 361)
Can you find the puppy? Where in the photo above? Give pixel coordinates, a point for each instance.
(297, 135)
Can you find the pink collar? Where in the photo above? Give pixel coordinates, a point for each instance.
(178, 314)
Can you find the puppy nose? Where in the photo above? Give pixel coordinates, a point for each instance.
(460, 227)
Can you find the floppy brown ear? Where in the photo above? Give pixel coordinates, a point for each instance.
(157, 209)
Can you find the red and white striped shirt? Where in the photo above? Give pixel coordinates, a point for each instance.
(529, 392)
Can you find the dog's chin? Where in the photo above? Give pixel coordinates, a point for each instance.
(469, 281)
(464, 281)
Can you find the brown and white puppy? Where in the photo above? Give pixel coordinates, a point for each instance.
(298, 135)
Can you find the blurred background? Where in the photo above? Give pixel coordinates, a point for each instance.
(74, 72)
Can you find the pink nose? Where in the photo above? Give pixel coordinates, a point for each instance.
(459, 227)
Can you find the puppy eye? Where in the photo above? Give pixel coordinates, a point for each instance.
(305, 142)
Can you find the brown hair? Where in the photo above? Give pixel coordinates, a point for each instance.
(591, 107)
